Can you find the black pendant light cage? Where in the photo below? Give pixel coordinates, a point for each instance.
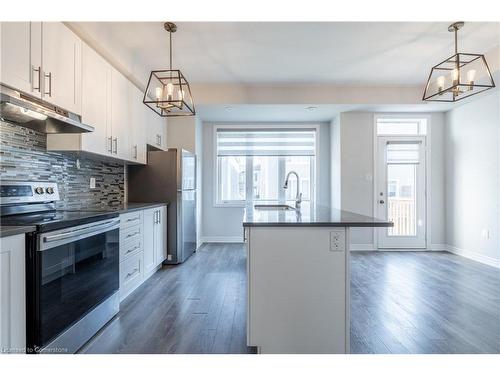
(458, 77)
(168, 92)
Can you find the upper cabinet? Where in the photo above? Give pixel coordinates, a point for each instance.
(43, 59)
(157, 130)
(21, 60)
(96, 106)
(61, 66)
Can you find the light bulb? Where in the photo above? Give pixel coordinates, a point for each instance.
(440, 83)
(471, 75)
(170, 91)
(181, 94)
(159, 93)
(454, 76)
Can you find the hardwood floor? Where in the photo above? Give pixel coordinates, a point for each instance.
(401, 302)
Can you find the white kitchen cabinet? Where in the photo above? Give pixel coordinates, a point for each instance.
(161, 236)
(138, 127)
(155, 238)
(21, 56)
(157, 130)
(12, 294)
(96, 103)
(61, 66)
(120, 115)
(43, 59)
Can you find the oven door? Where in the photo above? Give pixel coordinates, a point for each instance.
(76, 269)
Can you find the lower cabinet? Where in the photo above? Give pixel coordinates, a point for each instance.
(143, 246)
(155, 238)
(12, 294)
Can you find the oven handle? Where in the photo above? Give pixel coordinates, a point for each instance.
(83, 231)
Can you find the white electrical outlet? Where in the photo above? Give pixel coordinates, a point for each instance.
(92, 182)
(337, 240)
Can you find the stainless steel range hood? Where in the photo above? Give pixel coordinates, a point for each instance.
(25, 110)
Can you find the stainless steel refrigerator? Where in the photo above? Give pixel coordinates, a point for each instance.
(169, 176)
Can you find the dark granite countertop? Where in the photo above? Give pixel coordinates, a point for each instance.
(127, 207)
(6, 231)
(316, 216)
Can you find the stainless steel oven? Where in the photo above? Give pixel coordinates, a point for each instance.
(74, 279)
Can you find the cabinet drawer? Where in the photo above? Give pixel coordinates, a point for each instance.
(133, 233)
(131, 274)
(130, 248)
(130, 219)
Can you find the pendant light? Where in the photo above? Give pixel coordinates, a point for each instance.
(168, 92)
(459, 76)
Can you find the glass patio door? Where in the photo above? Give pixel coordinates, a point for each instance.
(401, 191)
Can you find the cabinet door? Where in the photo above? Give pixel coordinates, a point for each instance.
(149, 240)
(12, 294)
(21, 56)
(162, 131)
(61, 57)
(96, 76)
(161, 236)
(120, 114)
(138, 127)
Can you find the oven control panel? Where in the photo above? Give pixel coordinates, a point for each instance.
(28, 192)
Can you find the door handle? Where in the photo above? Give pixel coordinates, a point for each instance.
(38, 70)
(49, 76)
(115, 143)
(110, 144)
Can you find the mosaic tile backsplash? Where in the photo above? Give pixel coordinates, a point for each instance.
(23, 157)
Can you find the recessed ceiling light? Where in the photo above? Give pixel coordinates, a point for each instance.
(311, 109)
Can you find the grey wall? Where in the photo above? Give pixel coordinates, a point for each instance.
(225, 223)
(353, 133)
(472, 178)
(23, 157)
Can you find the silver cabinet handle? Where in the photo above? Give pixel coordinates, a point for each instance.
(133, 249)
(133, 234)
(110, 149)
(133, 219)
(159, 140)
(38, 70)
(115, 144)
(159, 217)
(135, 152)
(49, 76)
(132, 273)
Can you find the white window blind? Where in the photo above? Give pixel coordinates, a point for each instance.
(266, 142)
(403, 153)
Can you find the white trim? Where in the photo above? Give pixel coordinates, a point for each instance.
(438, 247)
(222, 239)
(475, 256)
(428, 168)
(362, 247)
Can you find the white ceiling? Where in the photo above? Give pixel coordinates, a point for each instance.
(344, 53)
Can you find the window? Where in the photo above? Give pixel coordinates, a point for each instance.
(401, 126)
(252, 164)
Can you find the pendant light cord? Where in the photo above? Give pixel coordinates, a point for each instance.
(170, 35)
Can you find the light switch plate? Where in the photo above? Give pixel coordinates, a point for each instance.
(92, 182)
(337, 240)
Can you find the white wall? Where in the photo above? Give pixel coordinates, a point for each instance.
(472, 178)
(355, 136)
(225, 223)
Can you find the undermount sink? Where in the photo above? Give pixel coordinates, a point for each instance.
(279, 207)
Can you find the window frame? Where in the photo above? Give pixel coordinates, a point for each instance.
(249, 161)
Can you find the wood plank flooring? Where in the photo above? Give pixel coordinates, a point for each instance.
(401, 302)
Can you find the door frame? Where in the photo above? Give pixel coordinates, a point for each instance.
(428, 192)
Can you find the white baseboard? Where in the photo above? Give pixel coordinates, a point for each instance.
(223, 239)
(475, 256)
(438, 247)
(362, 247)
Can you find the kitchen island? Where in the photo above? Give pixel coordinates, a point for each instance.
(298, 277)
